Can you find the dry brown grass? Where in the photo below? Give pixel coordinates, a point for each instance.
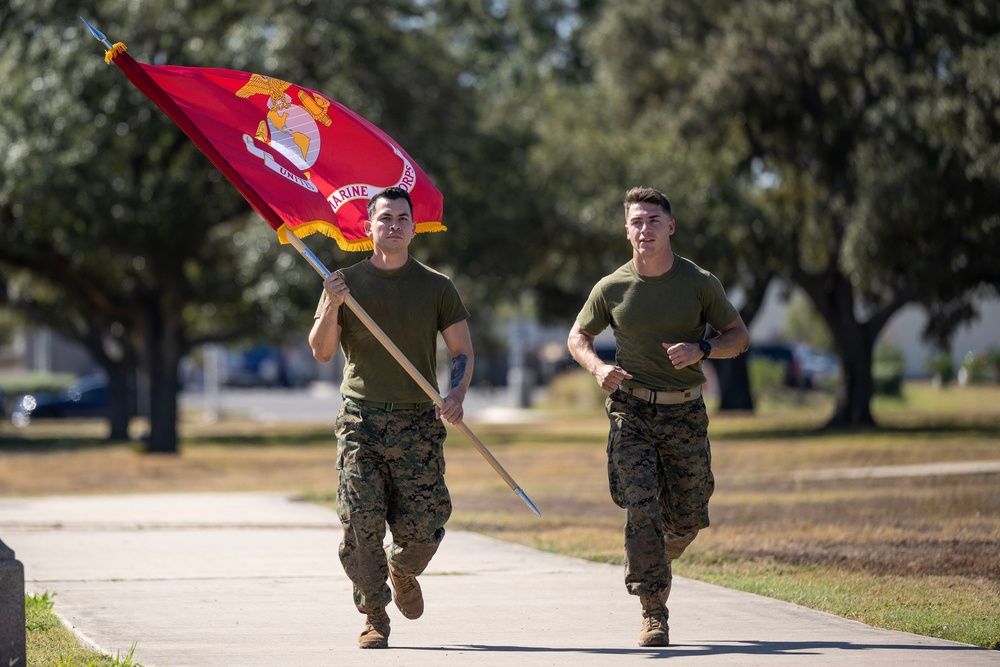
(886, 544)
(226, 457)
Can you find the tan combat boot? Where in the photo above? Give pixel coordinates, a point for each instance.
(654, 621)
(376, 632)
(406, 592)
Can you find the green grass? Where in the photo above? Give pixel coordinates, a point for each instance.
(941, 607)
(51, 644)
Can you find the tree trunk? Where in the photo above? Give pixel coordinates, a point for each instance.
(163, 351)
(163, 388)
(734, 384)
(855, 390)
(854, 341)
(119, 364)
(121, 405)
(733, 374)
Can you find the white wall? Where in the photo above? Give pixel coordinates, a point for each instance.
(903, 330)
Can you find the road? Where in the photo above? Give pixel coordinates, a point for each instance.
(320, 402)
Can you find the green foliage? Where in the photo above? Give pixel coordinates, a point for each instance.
(804, 324)
(767, 376)
(10, 324)
(972, 368)
(575, 388)
(821, 142)
(849, 149)
(38, 614)
(123, 229)
(26, 383)
(975, 368)
(941, 367)
(888, 369)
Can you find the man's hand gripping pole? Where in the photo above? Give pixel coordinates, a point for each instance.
(410, 369)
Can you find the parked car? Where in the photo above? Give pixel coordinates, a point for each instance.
(781, 353)
(87, 397)
(805, 366)
(815, 366)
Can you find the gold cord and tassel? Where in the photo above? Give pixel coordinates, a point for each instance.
(114, 52)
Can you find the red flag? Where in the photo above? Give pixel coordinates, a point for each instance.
(304, 162)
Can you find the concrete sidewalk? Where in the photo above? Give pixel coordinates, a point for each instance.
(217, 580)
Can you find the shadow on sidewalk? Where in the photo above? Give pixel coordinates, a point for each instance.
(735, 647)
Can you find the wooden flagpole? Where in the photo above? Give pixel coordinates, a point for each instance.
(411, 370)
(275, 222)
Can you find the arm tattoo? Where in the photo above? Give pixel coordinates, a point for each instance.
(458, 369)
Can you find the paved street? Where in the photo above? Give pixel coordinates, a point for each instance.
(320, 403)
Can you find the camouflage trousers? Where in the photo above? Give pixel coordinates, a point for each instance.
(660, 472)
(391, 467)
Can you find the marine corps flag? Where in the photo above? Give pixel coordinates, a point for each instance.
(304, 162)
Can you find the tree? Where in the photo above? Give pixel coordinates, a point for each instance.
(861, 138)
(834, 144)
(869, 128)
(615, 124)
(133, 228)
(105, 201)
(803, 323)
(42, 303)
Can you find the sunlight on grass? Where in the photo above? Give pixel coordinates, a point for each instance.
(49, 642)
(869, 549)
(954, 608)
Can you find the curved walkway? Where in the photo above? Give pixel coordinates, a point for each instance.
(253, 579)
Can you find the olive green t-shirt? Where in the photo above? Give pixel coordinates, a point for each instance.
(645, 312)
(411, 305)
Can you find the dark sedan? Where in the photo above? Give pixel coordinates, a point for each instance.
(88, 397)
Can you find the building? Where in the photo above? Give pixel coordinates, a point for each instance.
(903, 331)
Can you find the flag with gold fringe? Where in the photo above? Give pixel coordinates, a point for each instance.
(304, 162)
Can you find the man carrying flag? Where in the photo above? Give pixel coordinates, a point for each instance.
(307, 164)
(389, 435)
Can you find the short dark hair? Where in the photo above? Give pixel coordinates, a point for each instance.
(647, 196)
(391, 194)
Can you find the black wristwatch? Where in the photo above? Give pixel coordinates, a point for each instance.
(705, 347)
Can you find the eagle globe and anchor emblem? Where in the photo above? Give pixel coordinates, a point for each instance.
(292, 130)
(288, 128)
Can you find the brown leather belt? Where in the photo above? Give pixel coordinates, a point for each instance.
(664, 397)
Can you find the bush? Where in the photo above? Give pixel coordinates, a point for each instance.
(941, 368)
(30, 383)
(575, 388)
(975, 369)
(888, 368)
(767, 376)
(993, 362)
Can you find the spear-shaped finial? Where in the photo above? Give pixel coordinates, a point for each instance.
(523, 496)
(98, 35)
(113, 51)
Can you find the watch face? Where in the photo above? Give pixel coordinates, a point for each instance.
(706, 347)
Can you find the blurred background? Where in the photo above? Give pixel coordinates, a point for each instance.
(836, 164)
